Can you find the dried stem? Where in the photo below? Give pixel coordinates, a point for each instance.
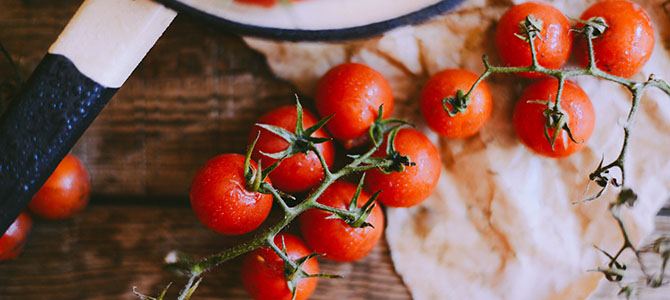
(601, 176)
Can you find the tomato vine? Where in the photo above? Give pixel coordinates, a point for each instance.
(555, 119)
(300, 142)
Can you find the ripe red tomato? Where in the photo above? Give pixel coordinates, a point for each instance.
(334, 237)
(220, 199)
(297, 173)
(263, 271)
(417, 182)
(12, 242)
(529, 119)
(65, 193)
(353, 92)
(553, 45)
(445, 84)
(626, 45)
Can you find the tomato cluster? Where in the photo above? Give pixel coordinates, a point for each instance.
(546, 128)
(64, 195)
(227, 196)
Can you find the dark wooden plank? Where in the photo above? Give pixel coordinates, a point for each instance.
(104, 252)
(108, 249)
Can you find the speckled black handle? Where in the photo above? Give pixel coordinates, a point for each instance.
(54, 109)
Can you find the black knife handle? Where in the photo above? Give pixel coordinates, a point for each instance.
(39, 128)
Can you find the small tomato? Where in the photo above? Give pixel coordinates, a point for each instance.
(299, 172)
(263, 271)
(13, 241)
(353, 92)
(553, 45)
(417, 182)
(529, 118)
(445, 84)
(626, 45)
(335, 238)
(220, 199)
(65, 193)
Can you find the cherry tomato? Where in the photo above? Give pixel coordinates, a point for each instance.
(263, 271)
(529, 118)
(626, 45)
(297, 173)
(445, 84)
(553, 45)
(353, 92)
(65, 193)
(334, 237)
(417, 182)
(220, 199)
(12, 242)
(264, 3)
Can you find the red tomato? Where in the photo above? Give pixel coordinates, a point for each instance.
(334, 237)
(529, 118)
(553, 45)
(445, 84)
(264, 3)
(626, 45)
(263, 271)
(220, 199)
(12, 242)
(297, 173)
(65, 193)
(417, 182)
(353, 92)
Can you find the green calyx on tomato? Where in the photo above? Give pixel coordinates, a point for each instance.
(357, 217)
(300, 141)
(294, 269)
(381, 126)
(593, 27)
(284, 269)
(556, 121)
(398, 161)
(379, 130)
(459, 103)
(531, 28)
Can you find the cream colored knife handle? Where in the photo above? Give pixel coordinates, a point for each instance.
(107, 39)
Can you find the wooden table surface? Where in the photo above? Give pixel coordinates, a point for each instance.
(194, 96)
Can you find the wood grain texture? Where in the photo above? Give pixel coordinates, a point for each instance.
(108, 249)
(194, 96)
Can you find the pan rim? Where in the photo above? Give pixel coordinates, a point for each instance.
(324, 35)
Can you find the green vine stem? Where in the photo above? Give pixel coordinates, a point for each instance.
(300, 142)
(591, 29)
